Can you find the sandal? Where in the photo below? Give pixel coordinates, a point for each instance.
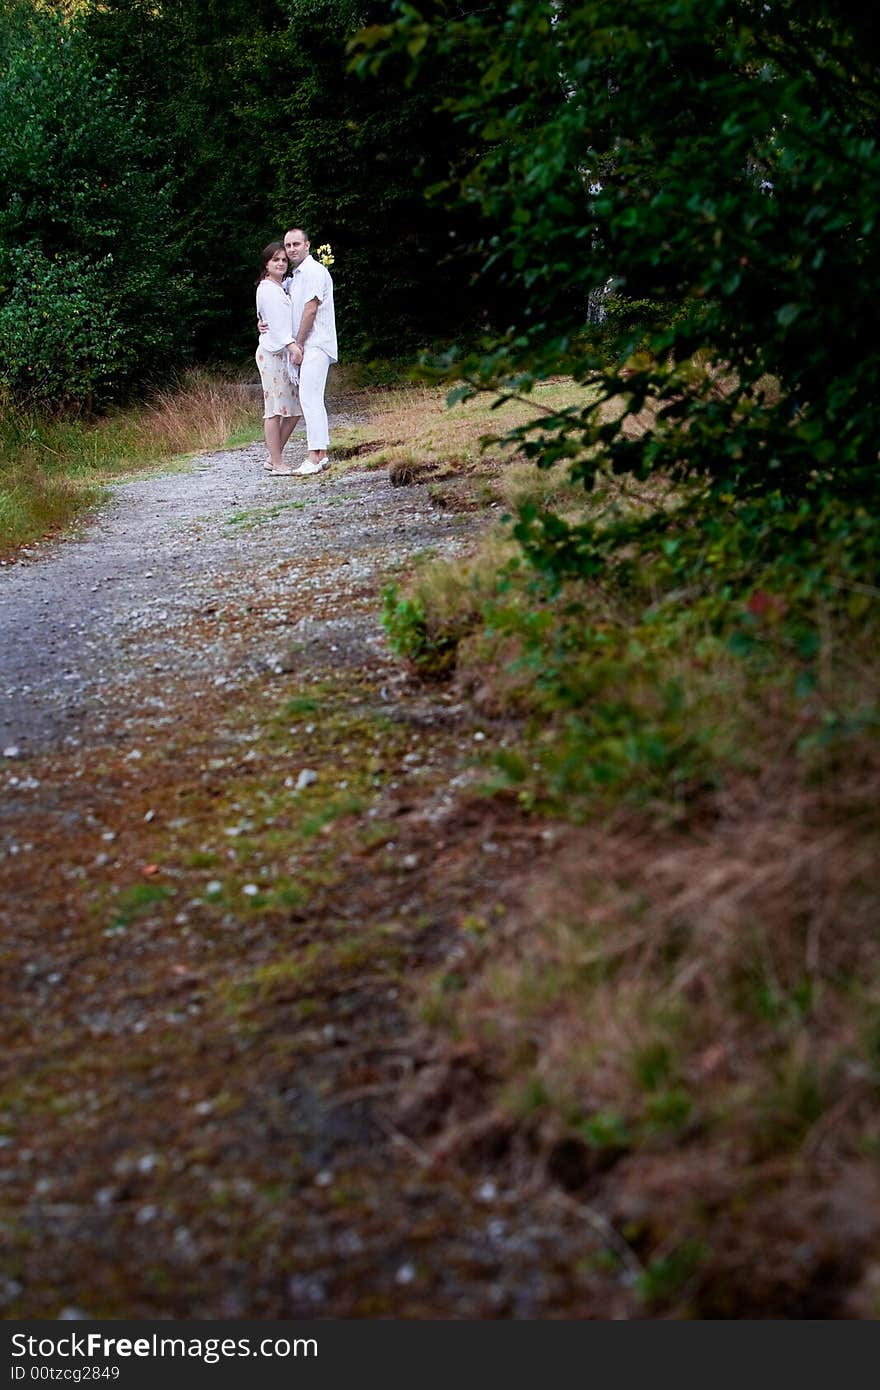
(280, 472)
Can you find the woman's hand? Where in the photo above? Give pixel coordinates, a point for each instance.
(296, 353)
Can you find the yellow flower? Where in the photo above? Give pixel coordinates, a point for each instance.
(325, 255)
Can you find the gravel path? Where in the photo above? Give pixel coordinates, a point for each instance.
(167, 574)
(224, 1106)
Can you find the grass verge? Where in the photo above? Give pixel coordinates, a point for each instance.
(53, 470)
(682, 1016)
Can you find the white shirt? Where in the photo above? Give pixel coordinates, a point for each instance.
(274, 308)
(311, 280)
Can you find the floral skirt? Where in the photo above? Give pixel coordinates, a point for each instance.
(280, 396)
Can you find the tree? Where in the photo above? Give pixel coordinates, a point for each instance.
(89, 299)
(257, 110)
(719, 158)
(185, 64)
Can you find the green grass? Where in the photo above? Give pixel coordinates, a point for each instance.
(257, 516)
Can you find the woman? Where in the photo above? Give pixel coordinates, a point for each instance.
(281, 412)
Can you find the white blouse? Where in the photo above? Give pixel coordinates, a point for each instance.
(275, 309)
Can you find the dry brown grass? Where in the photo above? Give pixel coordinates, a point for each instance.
(201, 412)
(413, 426)
(675, 1014)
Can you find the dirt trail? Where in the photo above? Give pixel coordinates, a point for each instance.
(232, 839)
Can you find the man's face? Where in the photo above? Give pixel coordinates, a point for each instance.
(296, 246)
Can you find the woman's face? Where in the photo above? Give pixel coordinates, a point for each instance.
(276, 266)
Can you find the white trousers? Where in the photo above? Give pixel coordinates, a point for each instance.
(312, 380)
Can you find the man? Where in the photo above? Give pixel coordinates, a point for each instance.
(311, 290)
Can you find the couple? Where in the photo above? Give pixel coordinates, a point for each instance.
(297, 344)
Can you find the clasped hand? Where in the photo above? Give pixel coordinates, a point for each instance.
(295, 351)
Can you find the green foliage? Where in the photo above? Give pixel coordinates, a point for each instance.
(790, 1106)
(668, 1111)
(607, 1131)
(427, 645)
(190, 68)
(652, 1065)
(405, 622)
(654, 694)
(717, 166)
(89, 301)
(668, 1277)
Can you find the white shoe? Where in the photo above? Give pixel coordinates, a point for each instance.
(307, 466)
